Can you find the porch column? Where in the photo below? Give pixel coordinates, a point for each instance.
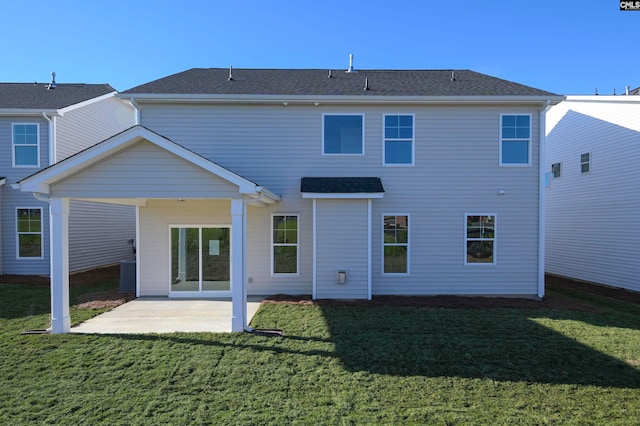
(59, 224)
(238, 282)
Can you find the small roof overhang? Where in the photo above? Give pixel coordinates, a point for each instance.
(3, 181)
(341, 187)
(41, 181)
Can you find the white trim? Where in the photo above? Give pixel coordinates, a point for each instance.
(59, 261)
(495, 240)
(200, 292)
(283, 274)
(18, 233)
(501, 139)
(64, 110)
(369, 248)
(40, 182)
(13, 146)
(238, 279)
(342, 99)
(314, 286)
(408, 245)
(413, 141)
(354, 196)
(541, 203)
(339, 154)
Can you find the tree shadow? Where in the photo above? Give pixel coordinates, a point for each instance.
(498, 344)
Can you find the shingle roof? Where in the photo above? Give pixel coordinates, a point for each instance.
(341, 185)
(317, 82)
(36, 95)
(635, 91)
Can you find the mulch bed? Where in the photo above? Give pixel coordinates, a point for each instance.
(114, 297)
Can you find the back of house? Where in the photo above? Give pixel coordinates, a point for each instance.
(40, 125)
(593, 198)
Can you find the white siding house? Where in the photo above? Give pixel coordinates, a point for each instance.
(592, 202)
(336, 184)
(41, 124)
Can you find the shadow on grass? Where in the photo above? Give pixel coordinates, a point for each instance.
(498, 344)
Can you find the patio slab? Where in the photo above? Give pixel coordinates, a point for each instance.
(162, 315)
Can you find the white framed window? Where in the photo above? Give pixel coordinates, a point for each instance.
(585, 163)
(515, 139)
(395, 244)
(285, 247)
(480, 239)
(399, 140)
(343, 134)
(556, 170)
(29, 233)
(26, 146)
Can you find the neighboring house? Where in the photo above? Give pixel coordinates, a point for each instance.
(41, 124)
(331, 183)
(592, 202)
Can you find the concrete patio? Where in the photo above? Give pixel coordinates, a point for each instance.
(162, 315)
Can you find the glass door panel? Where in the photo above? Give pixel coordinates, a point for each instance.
(185, 259)
(216, 256)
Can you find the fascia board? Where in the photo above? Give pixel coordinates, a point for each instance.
(330, 99)
(87, 102)
(599, 98)
(22, 111)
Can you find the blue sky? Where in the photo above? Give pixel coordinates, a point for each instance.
(567, 47)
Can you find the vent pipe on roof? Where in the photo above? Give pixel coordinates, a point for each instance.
(453, 75)
(596, 91)
(230, 73)
(614, 91)
(351, 63)
(626, 90)
(366, 84)
(53, 84)
(330, 76)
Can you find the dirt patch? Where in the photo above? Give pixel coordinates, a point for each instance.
(551, 301)
(104, 299)
(93, 276)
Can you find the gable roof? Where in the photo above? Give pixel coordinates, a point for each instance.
(36, 96)
(635, 91)
(322, 82)
(40, 181)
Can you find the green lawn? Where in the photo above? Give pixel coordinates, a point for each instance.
(335, 365)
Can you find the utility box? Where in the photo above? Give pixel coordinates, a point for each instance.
(128, 275)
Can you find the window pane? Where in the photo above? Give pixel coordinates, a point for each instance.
(395, 259)
(522, 120)
(584, 158)
(285, 229)
(515, 152)
(285, 259)
(405, 132)
(509, 132)
(26, 155)
(584, 168)
(391, 120)
(343, 134)
(522, 132)
(555, 170)
(509, 120)
(405, 121)
(391, 133)
(397, 152)
(479, 251)
(29, 245)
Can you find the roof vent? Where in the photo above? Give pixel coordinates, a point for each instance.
(230, 73)
(330, 75)
(366, 84)
(614, 91)
(53, 84)
(453, 75)
(596, 91)
(626, 90)
(351, 63)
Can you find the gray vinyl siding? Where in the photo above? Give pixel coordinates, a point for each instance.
(591, 219)
(144, 171)
(13, 198)
(342, 244)
(99, 234)
(456, 172)
(83, 127)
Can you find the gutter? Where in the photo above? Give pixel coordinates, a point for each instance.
(52, 137)
(136, 108)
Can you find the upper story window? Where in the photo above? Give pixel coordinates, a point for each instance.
(398, 140)
(556, 170)
(26, 149)
(585, 162)
(515, 140)
(343, 134)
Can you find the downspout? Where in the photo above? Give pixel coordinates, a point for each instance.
(52, 138)
(541, 199)
(136, 107)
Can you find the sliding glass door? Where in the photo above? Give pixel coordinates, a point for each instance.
(200, 261)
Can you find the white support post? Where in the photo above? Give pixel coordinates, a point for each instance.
(59, 223)
(238, 282)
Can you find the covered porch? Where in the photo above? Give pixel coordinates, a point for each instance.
(174, 190)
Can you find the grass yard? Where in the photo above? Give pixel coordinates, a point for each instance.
(336, 364)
